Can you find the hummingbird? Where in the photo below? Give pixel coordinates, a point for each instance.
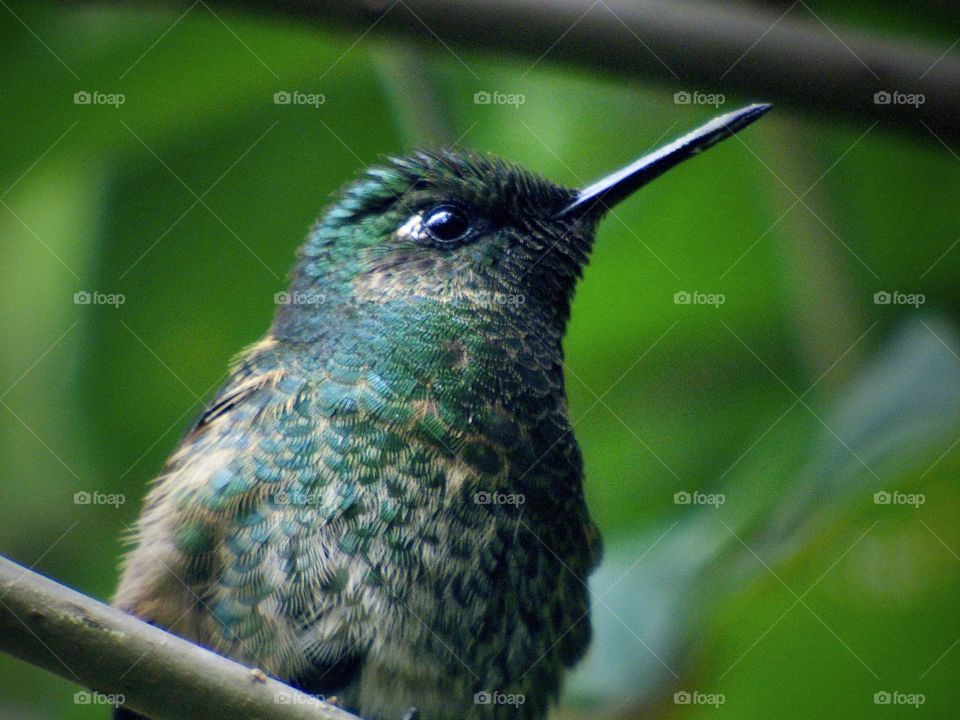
(384, 505)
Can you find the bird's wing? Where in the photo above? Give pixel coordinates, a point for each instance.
(254, 541)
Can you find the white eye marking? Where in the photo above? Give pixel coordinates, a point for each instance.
(412, 228)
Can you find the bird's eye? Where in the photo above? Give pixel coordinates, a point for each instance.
(446, 224)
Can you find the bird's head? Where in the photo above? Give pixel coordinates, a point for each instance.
(463, 229)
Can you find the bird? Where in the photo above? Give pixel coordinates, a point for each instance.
(384, 504)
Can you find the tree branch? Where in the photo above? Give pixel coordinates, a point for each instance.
(159, 674)
(793, 58)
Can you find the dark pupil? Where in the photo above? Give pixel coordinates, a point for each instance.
(447, 224)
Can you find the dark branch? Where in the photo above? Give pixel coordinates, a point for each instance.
(764, 55)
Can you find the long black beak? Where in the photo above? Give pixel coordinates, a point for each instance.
(607, 192)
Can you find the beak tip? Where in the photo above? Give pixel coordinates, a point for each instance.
(756, 110)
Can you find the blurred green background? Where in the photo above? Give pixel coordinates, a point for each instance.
(797, 399)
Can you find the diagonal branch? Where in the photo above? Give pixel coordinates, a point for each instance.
(796, 58)
(163, 676)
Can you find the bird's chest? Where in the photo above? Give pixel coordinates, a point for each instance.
(484, 613)
(464, 560)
